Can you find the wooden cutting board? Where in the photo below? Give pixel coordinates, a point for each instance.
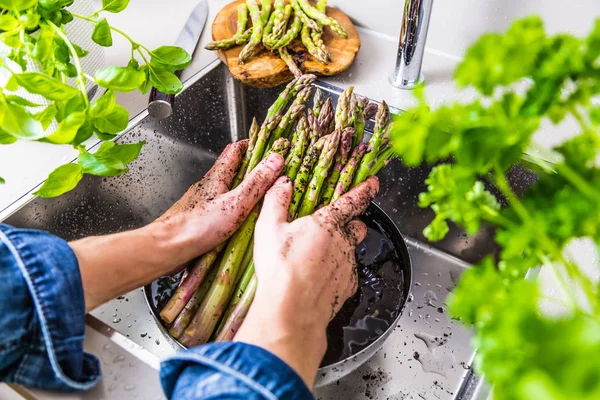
(266, 69)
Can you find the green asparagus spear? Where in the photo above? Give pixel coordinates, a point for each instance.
(278, 23)
(240, 288)
(342, 111)
(235, 40)
(318, 101)
(292, 114)
(265, 11)
(183, 319)
(304, 174)
(257, 31)
(348, 172)
(358, 120)
(306, 20)
(309, 202)
(289, 93)
(263, 137)
(383, 158)
(317, 36)
(299, 145)
(313, 49)
(189, 285)
(341, 158)
(370, 110)
(202, 325)
(253, 137)
(321, 18)
(238, 313)
(290, 62)
(281, 147)
(322, 5)
(326, 118)
(290, 35)
(382, 120)
(267, 31)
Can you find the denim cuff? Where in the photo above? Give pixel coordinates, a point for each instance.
(45, 348)
(227, 366)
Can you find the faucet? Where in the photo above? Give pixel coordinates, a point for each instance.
(413, 35)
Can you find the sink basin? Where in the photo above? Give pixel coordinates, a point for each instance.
(427, 355)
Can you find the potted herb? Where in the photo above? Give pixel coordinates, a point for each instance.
(39, 58)
(525, 78)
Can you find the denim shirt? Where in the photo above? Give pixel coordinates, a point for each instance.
(42, 323)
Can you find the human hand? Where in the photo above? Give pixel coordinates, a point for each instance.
(206, 215)
(209, 213)
(306, 271)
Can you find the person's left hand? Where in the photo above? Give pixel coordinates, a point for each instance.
(209, 213)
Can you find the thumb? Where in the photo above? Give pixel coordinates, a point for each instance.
(275, 206)
(258, 181)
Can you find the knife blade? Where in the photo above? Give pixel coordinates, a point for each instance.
(160, 105)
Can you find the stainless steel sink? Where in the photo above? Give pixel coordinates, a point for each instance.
(428, 356)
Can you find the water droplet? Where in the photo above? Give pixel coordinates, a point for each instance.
(116, 320)
(143, 334)
(129, 387)
(118, 359)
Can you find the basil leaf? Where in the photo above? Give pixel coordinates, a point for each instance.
(114, 6)
(13, 99)
(67, 129)
(8, 22)
(17, 5)
(121, 79)
(102, 34)
(50, 88)
(66, 17)
(171, 57)
(103, 104)
(68, 69)
(20, 124)
(126, 153)
(30, 20)
(7, 79)
(61, 180)
(101, 163)
(46, 116)
(5, 138)
(79, 51)
(165, 81)
(61, 51)
(44, 47)
(2, 181)
(84, 133)
(111, 121)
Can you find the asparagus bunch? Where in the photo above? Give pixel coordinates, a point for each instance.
(323, 163)
(276, 26)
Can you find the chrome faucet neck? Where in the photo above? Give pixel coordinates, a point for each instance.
(413, 34)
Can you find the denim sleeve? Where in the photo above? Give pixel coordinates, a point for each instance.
(230, 371)
(42, 313)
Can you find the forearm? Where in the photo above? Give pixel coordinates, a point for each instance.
(283, 331)
(115, 264)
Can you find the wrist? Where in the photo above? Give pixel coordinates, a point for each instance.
(287, 332)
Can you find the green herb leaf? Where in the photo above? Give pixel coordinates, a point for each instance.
(17, 5)
(8, 22)
(111, 121)
(79, 51)
(102, 34)
(14, 99)
(110, 158)
(46, 116)
(67, 129)
(6, 138)
(50, 88)
(83, 133)
(30, 20)
(165, 81)
(20, 124)
(44, 46)
(121, 79)
(172, 58)
(114, 6)
(2, 181)
(61, 180)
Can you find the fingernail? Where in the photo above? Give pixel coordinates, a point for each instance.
(282, 180)
(275, 162)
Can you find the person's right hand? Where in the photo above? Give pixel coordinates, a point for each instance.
(306, 271)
